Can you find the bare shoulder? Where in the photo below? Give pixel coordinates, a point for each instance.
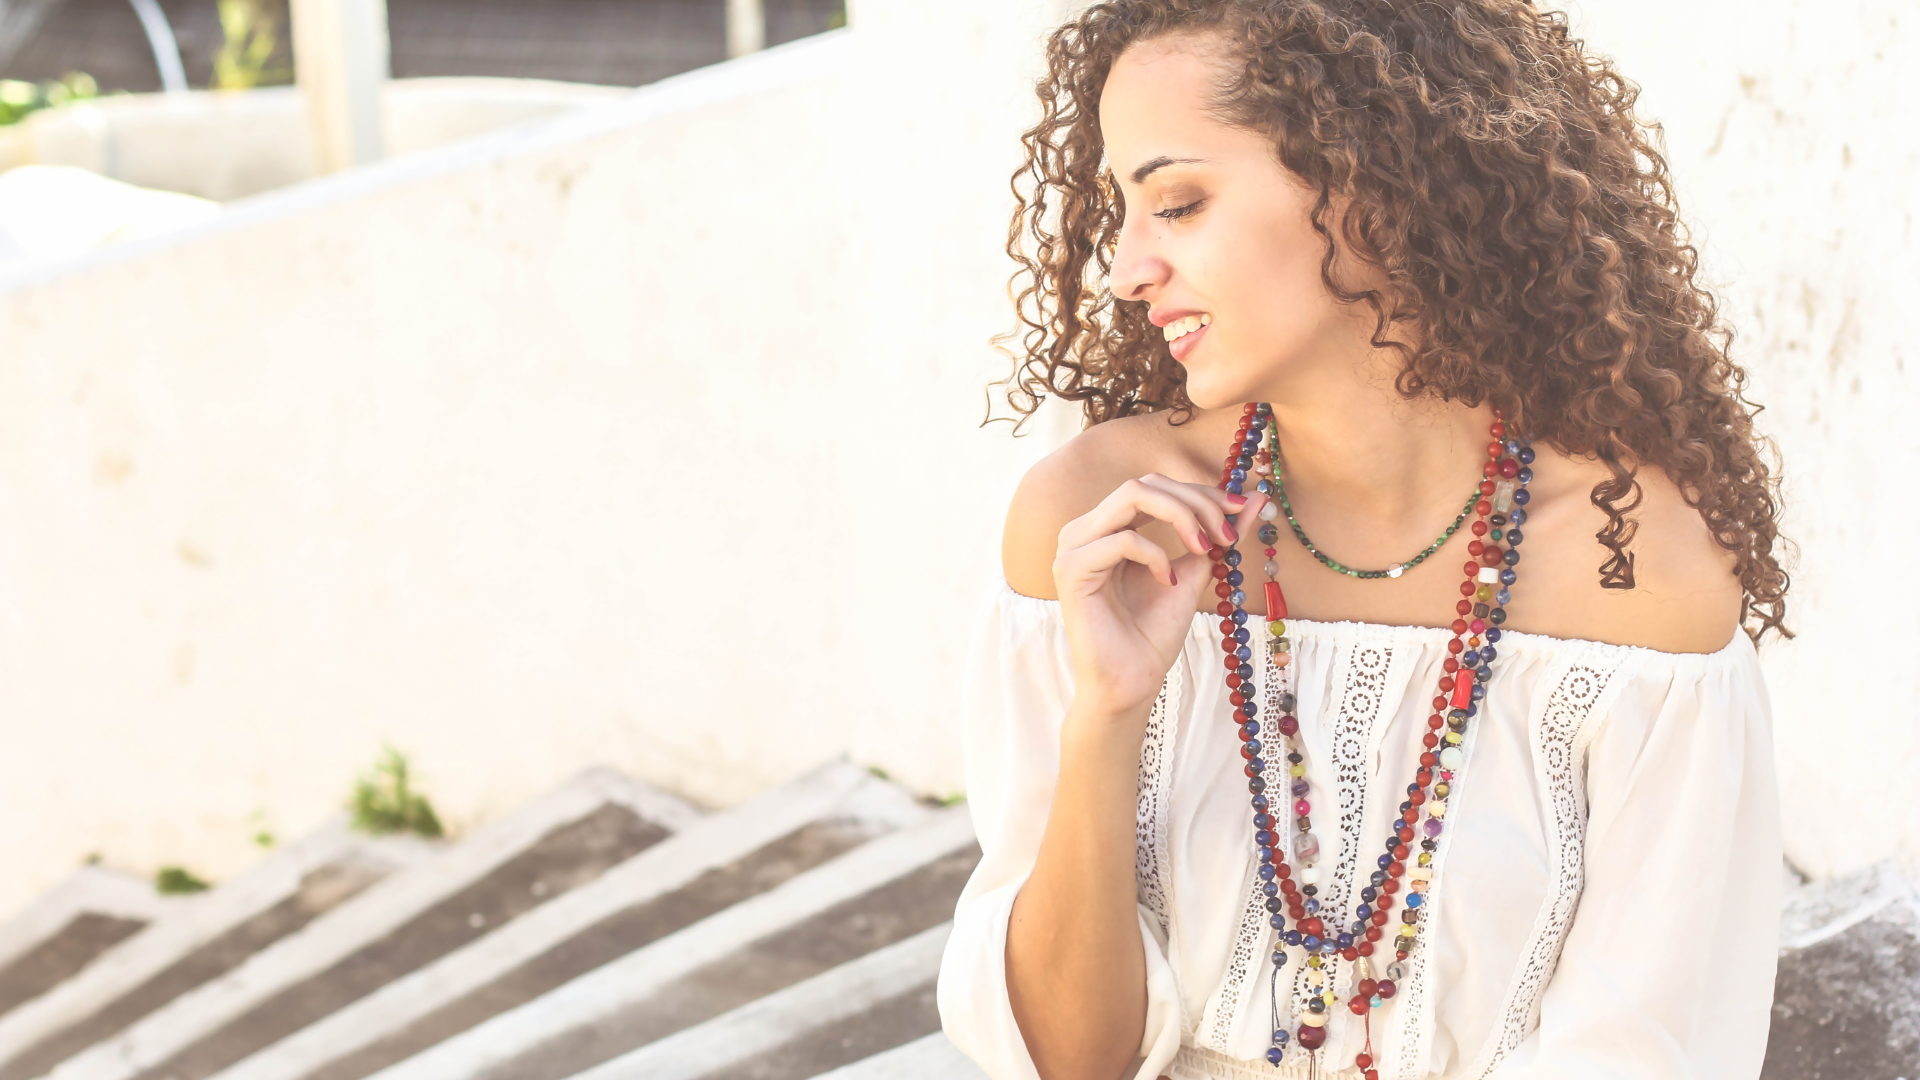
(1685, 598)
(1071, 481)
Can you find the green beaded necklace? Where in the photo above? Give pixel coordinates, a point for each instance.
(1280, 489)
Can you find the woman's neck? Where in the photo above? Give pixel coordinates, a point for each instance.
(1348, 439)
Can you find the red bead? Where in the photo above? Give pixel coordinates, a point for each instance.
(1379, 917)
(1418, 798)
(1474, 548)
(1410, 816)
(1430, 740)
(1276, 602)
(1351, 952)
(1224, 608)
(1509, 468)
(1364, 1061)
(1221, 571)
(1464, 607)
(1396, 869)
(1390, 886)
(1462, 693)
(1466, 588)
(1400, 954)
(1365, 989)
(1233, 679)
(1230, 645)
(1237, 697)
(1313, 925)
(1310, 1038)
(1358, 1006)
(1486, 487)
(1223, 590)
(1233, 663)
(1459, 626)
(1483, 508)
(1386, 989)
(1449, 665)
(1491, 556)
(1479, 528)
(1365, 948)
(1469, 568)
(1434, 722)
(1400, 851)
(1490, 470)
(1440, 702)
(1215, 552)
(1249, 771)
(1455, 645)
(1284, 873)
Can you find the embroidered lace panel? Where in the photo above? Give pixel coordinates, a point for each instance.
(1150, 813)
(1559, 740)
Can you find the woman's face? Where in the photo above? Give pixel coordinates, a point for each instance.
(1217, 230)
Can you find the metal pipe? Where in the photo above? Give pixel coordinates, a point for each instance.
(166, 51)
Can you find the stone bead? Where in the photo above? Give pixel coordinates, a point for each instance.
(1272, 568)
(1269, 511)
(1306, 848)
(1503, 496)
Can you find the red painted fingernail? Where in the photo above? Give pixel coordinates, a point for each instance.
(1237, 500)
(1172, 578)
(1232, 537)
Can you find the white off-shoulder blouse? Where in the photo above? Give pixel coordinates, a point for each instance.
(1606, 893)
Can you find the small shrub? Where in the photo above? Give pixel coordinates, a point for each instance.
(19, 99)
(384, 800)
(178, 881)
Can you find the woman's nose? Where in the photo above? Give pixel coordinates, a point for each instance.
(1138, 266)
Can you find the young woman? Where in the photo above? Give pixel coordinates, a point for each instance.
(1365, 299)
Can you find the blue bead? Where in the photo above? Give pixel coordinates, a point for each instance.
(1266, 850)
(1385, 861)
(1231, 558)
(1311, 943)
(1369, 893)
(1346, 941)
(1237, 475)
(1244, 653)
(1526, 455)
(1502, 596)
(1493, 633)
(1270, 888)
(1256, 764)
(1273, 1055)
(1279, 958)
(1520, 497)
(1235, 577)
(1265, 840)
(1266, 871)
(1512, 446)
(1233, 487)
(1262, 821)
(1253, 747)
(1513, 537)
(1245, 671)
(1519, 517)
(1239, 597)
(1488, 653)
(1240, 635)
(1264, 487)
(1482, 673)
(1249, 730)
(1469, 659)
(1359, 926)
(1415, 899)
(1260, 802)
(1243, 462)
(1312, 906)
(1282, 1035)
(1511, 558)
(1479, 691)
(1525, 476)
(1471, 709)
(1293, 937)
(1329, 947)
(1363, 911)
(1278, 922)
(1300, 788)
(1508, 576)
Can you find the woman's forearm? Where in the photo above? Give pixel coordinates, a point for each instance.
(1076, 974)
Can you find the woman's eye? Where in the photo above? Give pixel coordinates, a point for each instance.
(1178, 212)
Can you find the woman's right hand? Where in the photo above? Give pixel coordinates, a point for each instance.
(1126, 605)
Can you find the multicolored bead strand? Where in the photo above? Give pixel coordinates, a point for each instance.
(1500, 510)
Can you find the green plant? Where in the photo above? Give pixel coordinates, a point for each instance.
(250, 32)
(384, 800)
(178, 881)
(19, 99)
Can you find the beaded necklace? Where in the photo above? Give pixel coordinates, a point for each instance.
(1499, 512)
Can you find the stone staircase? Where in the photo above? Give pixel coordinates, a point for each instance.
(610, 931)
(607, 929)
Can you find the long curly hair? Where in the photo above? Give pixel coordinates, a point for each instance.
(1524, 219)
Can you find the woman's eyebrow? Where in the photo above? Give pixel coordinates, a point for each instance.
(1143, 171)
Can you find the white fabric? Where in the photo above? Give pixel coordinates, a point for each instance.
(1606, 895)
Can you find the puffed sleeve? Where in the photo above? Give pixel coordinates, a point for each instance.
(1017, 685)
(1667, 970)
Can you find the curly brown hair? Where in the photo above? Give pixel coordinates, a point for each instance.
(1494, 170)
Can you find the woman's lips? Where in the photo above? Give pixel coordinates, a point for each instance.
(1183, 346)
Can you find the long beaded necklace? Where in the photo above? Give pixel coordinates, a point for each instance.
(1500, 510)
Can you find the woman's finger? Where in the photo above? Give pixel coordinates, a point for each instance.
(1107, 552)
(1210, 508)
(1124, 508)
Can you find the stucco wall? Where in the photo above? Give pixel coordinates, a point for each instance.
(647, 437)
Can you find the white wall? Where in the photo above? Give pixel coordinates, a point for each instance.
(648, 437)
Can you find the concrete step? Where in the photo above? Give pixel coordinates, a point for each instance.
(392, 929)
(67, 929)
(1846, 998)
(930, 1057)
(863, 1007)
(881, 892)
(708, 866)
(197, 942)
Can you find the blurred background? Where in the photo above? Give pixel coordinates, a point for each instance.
(416, 415)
